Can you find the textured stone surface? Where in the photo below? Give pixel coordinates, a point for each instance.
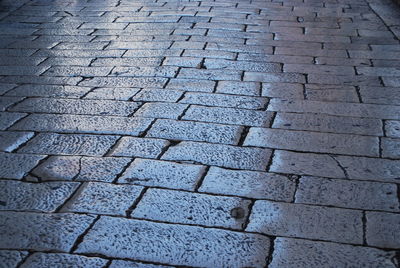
(45, 197)
(15, 166)
(392, 128)
(210, 247)
(149, 172)
(383, 229)
(7, 119)
(139, 147)
(252, 184)
(304, 221)
(189, 208)
(41, 231)
(10, 141)
(60, 260)
(11, 258)
(293, 253)
(131, 264)
(103, 198)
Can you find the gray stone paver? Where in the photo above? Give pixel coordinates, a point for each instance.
(229, 133)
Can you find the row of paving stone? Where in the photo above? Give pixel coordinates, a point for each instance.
(199, 133)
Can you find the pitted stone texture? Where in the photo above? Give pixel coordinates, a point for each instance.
(282, 90)
(70, 106)
(139, 147)
(103, 198)
(187, 245)
(83, 124)
(41, 231)
(274, 77)
(219, 155)
(10, 141)
(305, 221)
(172, 175)
(161, 110)
(239, 88)
(53, 91)
(191, 85)
(15, 166)
(125, 82)
(383, 229)
(157, 94)
(252, 184)
(390, 148)
(69, 144)
(348, 194)
(81, 168)
(6, 102)
(191, 208)
(23, 196)
(313, 141)
(131, 264)
(228, 116)
(7, 119)
(374, 169)
(61, 260)
(328, 123)
(295, 253)
(11, 258)
(195, 131)
(392, 128)
(114, 93)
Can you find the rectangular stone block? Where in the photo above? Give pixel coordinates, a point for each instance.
(274, 77)
(15, 166)
(313, 141)
(157, 82)
(191, 85)
(380, 95)
(252, 184)
(49, 91)
(161, 110)
(44, 232)
(239, 88)
(208, 246)
(8, 119)
(139, 147)
(143, 71)
(139, 62)
(195, 131)
(191, 73)
(191, 208)
(383, 229)
(318, 69)
(9, 141)
(305, 221)
(250, 66)
(219, 155)
(165, 174)
(348, 194)
(390, 148)
(55, 259)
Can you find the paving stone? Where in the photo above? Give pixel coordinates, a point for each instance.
(208, 246)
(195, 131)
(10, 141)
(44, 232)
(230, 75)
(131, 264)
(274, 77)
(161, 110)
(313, 141)
(239, 88)
(252, 184)
(49, 91)
(339, 109)
(45, 197)
(392, 128)
(305, 221)
(390, 81)
(332, 95)
(59, 260)
(347, 194)
(191, 85)
(242, 65)
(318, 69)
(11, 258)
(159, 95)
(383, 229)
(68, 61)
(69, 106)
(120, 62)
(341, 61)
(69, 144)
(209, 53)
(6, 102)
(103, 198)
(83, 124)
(293, 253)
(228, 116)
(139, 147)
(282, 90)
(182, 61)
(15, 166)
(136, 71)
(219, 155)
(29, 79)
(146, 53)
(149, 172)
(116, 93)
(157, 82)
(328, 123)
(306, 164)
(191, 208)
(6, 87)
(380, 95)
(390, 148)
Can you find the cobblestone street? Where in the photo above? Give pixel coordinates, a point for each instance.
(227, 133)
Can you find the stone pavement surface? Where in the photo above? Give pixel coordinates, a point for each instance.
(229, 133)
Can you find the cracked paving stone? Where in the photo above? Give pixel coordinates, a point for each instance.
(118, 237)
(15, 166)
(10, 141)
(219, 155)
(294, 253)
(11, 258)
(69, 144)
(305, 221)
(172, 175)
(383, 229)
(252, 184)
(139, 147)
(61, 260)
(190, 208)
(24, 196)
(42, 232)
(103, 198)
